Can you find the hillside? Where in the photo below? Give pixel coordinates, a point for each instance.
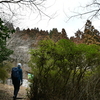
(24, 40)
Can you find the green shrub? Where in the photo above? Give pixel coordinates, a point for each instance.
(64, 71)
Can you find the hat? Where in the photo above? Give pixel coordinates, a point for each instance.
(19, 64)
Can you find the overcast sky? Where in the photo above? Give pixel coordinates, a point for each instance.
(58, 10)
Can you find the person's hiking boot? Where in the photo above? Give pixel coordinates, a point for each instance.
(14, 97)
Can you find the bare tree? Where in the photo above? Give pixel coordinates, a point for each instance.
(91, 10)
(13, 8)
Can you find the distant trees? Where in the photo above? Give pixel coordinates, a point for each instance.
(56, 36)
(64, 71)
(90, 35)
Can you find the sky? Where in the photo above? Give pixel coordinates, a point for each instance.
(59, 11)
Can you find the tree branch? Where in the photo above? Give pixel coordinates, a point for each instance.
(85, 13)
(32, 5)
(95, 5)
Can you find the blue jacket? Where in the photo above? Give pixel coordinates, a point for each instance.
(20, 74)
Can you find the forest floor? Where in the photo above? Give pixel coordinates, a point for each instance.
(6, 92)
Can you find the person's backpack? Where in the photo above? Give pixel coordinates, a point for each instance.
(15, 72)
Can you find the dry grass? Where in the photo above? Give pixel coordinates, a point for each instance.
(6, 92)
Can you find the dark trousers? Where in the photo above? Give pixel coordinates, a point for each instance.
(16, 84)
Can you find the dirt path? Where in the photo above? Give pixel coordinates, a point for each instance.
(6, 92)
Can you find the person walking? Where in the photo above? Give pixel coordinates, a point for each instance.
(17, 79)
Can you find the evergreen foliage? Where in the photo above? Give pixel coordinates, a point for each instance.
(4, 51)
(4, 35)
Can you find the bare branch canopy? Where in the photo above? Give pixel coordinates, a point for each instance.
(11, 8)
(91, 11)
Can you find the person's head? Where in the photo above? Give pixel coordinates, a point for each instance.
(19, 65)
